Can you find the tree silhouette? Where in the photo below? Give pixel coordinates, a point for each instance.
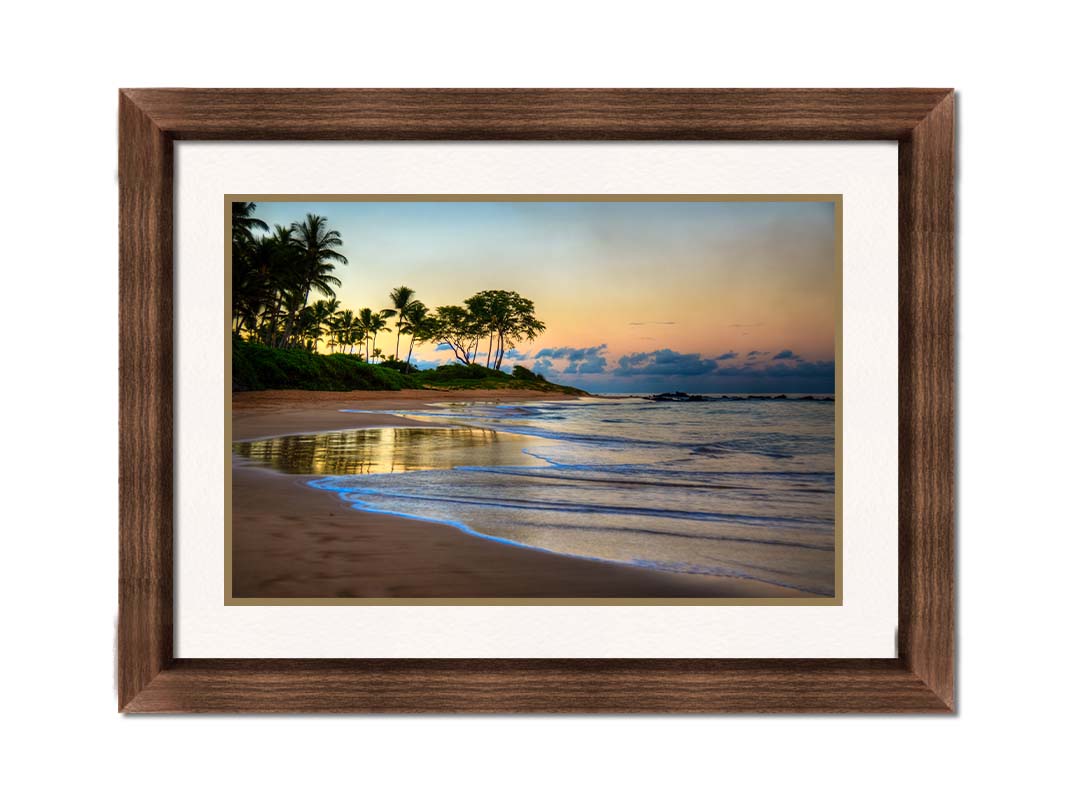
(274, 273)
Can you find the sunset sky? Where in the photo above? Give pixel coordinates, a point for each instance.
(636, 296)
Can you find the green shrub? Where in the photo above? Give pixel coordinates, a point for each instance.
(450, 373)
(521, 373)
(256, 366)
(475, 376)
(398, 366)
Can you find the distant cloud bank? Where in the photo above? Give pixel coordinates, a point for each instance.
(579, 360)
(666, 369)
(664, 362)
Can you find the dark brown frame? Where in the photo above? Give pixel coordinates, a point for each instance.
(920, 679)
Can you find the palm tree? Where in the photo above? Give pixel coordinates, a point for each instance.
(247, 278)
(242, 223)
(401, 297)
(277, 262)
(319, 314)
(366, 324)
(345, 324)
(315, 243)
(358, 337)
(389, 313)
(377, 326)
(419, 325)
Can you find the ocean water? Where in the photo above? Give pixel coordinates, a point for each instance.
(737, 488)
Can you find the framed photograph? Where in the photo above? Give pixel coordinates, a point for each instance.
(536, 400)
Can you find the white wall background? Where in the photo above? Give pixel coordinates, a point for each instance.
(61, 68)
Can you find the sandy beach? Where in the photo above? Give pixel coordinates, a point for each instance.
(292, 541)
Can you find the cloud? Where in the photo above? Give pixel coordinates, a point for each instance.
(650, 323)
(577, 353)
(441, 348)
(804, 369)
(785, 354)
(746, 325)
(664, 362)
(579, 360)
(593, 366)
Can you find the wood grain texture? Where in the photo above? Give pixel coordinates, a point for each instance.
(548, 114)
(926, 420)
(145, 629)
(537, 685)
(920, 680)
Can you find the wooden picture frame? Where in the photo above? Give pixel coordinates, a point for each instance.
(919, 679)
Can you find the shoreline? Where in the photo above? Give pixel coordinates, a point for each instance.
(291, 541)
(283, 412)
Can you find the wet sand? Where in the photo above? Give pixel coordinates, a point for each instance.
(292, 541)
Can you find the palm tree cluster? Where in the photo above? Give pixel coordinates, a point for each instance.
(275, 273)
(356, 332)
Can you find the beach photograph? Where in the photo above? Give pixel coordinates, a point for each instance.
(495, 399)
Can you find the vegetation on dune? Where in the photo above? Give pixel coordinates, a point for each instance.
(278, 328)
(256, 366)
(475, 376)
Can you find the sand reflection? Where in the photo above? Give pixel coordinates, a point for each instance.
(382, 450)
